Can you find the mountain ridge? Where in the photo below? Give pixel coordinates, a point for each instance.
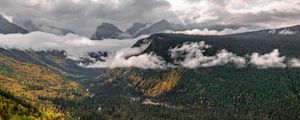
(137, 29)
(29, 25)
(241, 43)
(106, 30)
(7, 27)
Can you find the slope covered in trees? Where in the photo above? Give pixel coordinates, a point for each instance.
(32, 85)
(44, 80)
(244, 43)
(221, 92)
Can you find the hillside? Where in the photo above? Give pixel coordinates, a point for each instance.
(241, 44)
(222, 92)
(14, 108)
(57, 87)
(205, 93)
(107, 31)
(149, 59)
(34, 84)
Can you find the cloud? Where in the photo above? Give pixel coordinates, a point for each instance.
(193, 56)
(77, 47)
(268, 60)
(83, 16)
(286, 32)
(74, 45)
(120, 53)
(294, 63)
(272, 31)
(131, 57)
(267, 13)
(211, 32)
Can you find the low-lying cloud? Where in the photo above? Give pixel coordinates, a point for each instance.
(212, 32)
(272, 59)
(121, 53)
(77, 47)
(193, 54)
(282, 32)
(193, 57)
(131, 57)
(294, 63)
(74, 45)
(286, 32)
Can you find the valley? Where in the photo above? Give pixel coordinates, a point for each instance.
(149, 59)
(50, 86)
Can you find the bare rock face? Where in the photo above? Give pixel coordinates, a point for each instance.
(30, 26)
(107, 30)
(135, 28)
(7, 27)
(160, 26)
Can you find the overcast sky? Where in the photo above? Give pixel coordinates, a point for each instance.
(83, 16)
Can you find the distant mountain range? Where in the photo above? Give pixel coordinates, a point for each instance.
(136, 27)
(30, 26)
(7, 27)
(107, 30)
(110, 31)
(160, 26)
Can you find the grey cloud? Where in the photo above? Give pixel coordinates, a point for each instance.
(131, 57)
(266, 16)
(206, 31)
(120, 53)
(74, 45)
(194, 56)
(219, 10)
(85, 16)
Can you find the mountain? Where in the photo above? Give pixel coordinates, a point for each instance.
(28, 80)
(48, 85)
(202, 93)
(106, 30)
(55, 30)
(160, 26)
(46, 28)
(293, 30)
(7, 27)
(164, 25)
(135, 28)
(32, 79)
(284, 39)
(55, 60)
(14, 107)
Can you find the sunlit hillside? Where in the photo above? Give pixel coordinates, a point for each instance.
(34, 84)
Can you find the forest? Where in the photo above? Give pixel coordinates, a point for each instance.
(204, 93)
(47, 85)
